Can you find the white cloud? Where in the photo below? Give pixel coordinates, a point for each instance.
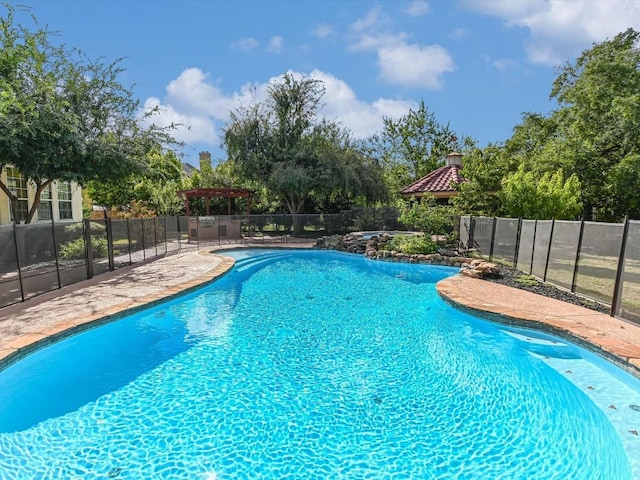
(375, 19)
(414, 65)
(362, 118)
(377, 41)
(459, 33)
(198, 104)
(417, 8)
(246, 44)
(275, 44)
(322, 31)
(193, 93)
(400, 62)
(191, 128)
(503, 64)
(560, 29)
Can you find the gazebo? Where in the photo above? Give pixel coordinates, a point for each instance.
(439, 182)
(209, 193)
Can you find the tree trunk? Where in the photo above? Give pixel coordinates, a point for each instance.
(295, 207)
(36, 200)
(13, 201)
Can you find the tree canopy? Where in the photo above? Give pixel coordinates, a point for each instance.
(593, 136)
(283, 143)
(156, 186)
(64, 116)
(411, 146)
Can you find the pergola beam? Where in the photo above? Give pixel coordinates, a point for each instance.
(209, 193)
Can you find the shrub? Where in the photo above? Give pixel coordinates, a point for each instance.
(75, 230)
(426, 215)
(74, 250)
(412, 244)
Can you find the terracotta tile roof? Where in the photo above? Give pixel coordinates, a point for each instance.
(437, 181)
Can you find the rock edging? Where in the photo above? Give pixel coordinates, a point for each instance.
(373, 249)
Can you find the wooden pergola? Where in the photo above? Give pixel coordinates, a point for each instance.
(209, 193)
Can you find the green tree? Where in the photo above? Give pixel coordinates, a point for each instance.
(622, 183)
(283, 144)
(552, 196)
(483, 170)
(426, 215)
(599, 115)
(157, 185)
(413, 144)
(63, 116)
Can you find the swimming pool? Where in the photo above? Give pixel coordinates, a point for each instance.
(315, 365)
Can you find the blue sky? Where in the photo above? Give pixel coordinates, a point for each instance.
(477, 64)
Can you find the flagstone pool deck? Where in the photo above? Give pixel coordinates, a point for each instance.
(41, 320)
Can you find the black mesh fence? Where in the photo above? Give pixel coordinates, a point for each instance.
(161, 235)
(482, 235)
(525, 246)
(172, 225)
(99, 242)
(629, 305)
(37, 258)
(136, 239)
(10, 289)
(600, 261)
(505, 241)
(149, 237)
(464, 232)
(582, 256)
(541, 247)
(40, 257)
(563, 254)
(121, 246)
(71, 248)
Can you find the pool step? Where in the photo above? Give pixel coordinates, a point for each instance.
(248, 263)
(544, 345)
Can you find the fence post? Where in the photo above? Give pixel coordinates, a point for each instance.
(493, 237)
(198, 232)
(155, 235)
(55, 251)
(533, 245)
(546, 263)
(87, 246)
(166, 247)
(575, 263)
(144, 247)
(179, 233)
(15, 244)
(110, 244)
(517, 249)
(617, 289)
(129, 241)
(472, 228)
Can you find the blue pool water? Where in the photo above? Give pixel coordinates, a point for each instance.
(316, 365)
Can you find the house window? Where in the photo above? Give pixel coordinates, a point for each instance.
(17, 185)
(64, 201)
(45, 211)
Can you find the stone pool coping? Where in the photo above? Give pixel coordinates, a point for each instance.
(615, 339)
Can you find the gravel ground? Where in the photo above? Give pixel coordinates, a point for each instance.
(515, 278)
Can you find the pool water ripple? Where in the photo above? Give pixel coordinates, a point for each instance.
(314, 365)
